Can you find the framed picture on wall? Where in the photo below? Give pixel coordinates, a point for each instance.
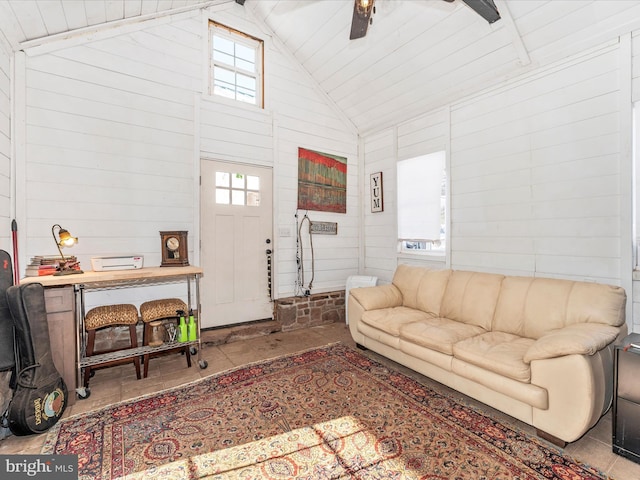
(322, 181)
(377, 204)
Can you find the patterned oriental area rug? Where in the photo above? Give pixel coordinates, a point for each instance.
(325, 413)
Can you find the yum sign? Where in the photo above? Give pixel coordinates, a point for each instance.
(377, 204)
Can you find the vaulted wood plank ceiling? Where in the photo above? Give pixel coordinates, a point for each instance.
(417, 55)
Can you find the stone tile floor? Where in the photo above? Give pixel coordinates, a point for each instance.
(119, 383)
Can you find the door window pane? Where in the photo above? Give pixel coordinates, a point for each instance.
(253, 183)
(222, 196)
(222, 179)
(237, 180)
(237, 197)
(237, 189)
(253, 199)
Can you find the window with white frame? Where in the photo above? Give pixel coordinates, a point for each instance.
(236, 65)
(422, 204)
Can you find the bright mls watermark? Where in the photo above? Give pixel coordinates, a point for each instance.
(46, 467)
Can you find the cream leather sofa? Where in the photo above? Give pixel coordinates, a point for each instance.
(538, 349)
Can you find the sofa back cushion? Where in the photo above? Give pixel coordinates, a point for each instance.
(431, 291)
(471, 297)
(422, 288)
(531, 307)
(407, 278)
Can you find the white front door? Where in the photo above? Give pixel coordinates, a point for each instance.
(236, 230)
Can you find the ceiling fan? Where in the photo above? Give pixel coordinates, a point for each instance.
(363, 11)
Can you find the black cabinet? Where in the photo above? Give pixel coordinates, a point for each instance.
(626, 399)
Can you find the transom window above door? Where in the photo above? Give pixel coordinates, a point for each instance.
(236, 65)
(237, 189)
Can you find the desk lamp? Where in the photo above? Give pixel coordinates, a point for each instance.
(64, 240)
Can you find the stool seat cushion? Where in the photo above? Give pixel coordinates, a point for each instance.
(163, 308)
(108, 315)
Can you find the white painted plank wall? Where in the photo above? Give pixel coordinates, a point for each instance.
(380, 229)
(635, 65)
(111, 124)
(235, 134)
(426, 134)
(5, 149)
(535, 183)
(535, 179)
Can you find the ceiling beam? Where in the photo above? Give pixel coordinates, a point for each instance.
(55, 42)
(512, 29)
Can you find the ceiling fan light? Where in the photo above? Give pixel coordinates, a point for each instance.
(364, 7)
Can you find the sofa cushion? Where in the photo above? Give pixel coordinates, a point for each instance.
(531, 307)
(424, 355)
(438, 333)
(498, 352)
(580, 339)
(471, 297)
(390, 320)
(381, 296)
(431, 290)
(505, 389)
(596, 303)
(407, 278)
(378, 336)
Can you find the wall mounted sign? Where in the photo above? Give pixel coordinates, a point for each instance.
(322, 181)
(377, 204)
(324, 228)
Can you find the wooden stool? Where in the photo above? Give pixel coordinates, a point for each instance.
(162, 309)
(110, 316)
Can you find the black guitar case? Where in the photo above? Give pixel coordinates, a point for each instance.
(40, 395)
(7, 357)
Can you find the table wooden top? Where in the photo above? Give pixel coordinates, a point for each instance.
(133, 275)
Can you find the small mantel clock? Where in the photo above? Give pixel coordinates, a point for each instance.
(175, 251)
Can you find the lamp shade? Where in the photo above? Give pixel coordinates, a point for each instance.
(66, 240)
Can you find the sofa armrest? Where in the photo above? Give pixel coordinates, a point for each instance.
(579, 339)
(381, 296)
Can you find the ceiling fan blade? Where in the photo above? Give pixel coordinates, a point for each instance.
(361, 18)
(485, 8)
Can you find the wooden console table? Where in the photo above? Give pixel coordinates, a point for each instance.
(65, 303)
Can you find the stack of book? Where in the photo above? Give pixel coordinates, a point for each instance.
(49, 264)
